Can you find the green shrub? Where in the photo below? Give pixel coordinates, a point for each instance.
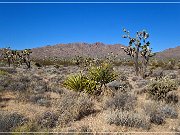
(158, 88)
(90, 86)
(97, 76)
(79, 82)
(3, 72)
(102, 74)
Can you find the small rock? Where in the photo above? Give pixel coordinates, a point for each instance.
(117, 85)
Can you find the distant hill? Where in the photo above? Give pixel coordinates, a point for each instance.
(169, 53)
(97, 49)
(93, 50)
(82, 49)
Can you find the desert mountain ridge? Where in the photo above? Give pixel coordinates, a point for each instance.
(169, 53)
(97, 49)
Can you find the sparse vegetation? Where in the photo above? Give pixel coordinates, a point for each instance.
(159, 88)
(87, 93)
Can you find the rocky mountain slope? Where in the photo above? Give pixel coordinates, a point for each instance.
(169, 53)
(97, 49)
(82, 49)
(93, 50)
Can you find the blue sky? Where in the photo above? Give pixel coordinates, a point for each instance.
(34, 25)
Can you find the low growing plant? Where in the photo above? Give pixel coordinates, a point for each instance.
(158, 88)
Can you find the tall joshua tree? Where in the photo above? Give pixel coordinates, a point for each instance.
(7, 55)
(138, 46)
(26, 57)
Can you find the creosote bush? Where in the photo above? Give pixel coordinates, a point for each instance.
(159, 88)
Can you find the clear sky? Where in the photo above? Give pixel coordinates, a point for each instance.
(35, 25)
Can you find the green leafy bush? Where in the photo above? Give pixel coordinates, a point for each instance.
(90, 86)
(102, 74)
(97, 77)
(158, 88)
(3, 72)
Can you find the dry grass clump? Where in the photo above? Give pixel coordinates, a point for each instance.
(129, 119)
(158, 112)
(39, 99)
(10, 120)
(172, 97)
(73, 106)
(47, 120)
(19, 83)
(27, 127)
(157, 118)
(39, 86)
(121, 101)
(168, 111)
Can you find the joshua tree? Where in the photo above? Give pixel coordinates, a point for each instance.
(138, 46)
(26, 57)
(13, 56)
(7, 55)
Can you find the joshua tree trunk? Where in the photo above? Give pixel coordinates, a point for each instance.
(9, 62)
(136, 62)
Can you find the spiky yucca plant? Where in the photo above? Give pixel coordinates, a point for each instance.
(79, 82)
(76, 82)
(90, 86)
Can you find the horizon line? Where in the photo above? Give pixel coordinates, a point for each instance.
(54, 2)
